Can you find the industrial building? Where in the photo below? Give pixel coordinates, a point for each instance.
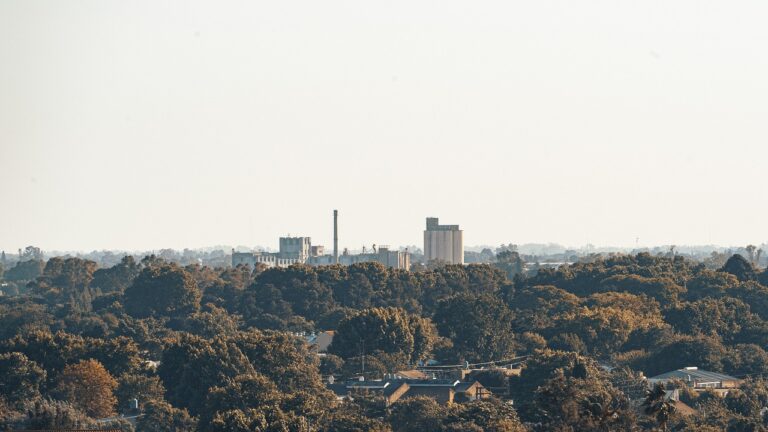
(299, 250)
(382, 255)
(443, 243)
(252, 259)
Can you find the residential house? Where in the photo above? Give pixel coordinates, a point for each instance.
(320, 341)
(698, 380)
(443, 391)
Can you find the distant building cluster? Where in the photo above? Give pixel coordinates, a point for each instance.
(299, 250)
(442, 244)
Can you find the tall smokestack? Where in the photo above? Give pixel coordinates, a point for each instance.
(336, 236)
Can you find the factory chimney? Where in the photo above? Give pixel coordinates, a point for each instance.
(336, 236)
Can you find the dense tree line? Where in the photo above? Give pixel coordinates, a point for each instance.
(217, 349)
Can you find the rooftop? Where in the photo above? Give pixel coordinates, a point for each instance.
(693, 374)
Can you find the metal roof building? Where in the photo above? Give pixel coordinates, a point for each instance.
(697, 378)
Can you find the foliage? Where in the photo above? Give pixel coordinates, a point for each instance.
(234, 364)
(738, 266)
(116, 278)
(88, 386)
(191, 365)
(20, 378)
(162, 290)
(46, 414)
(588, 403)
(283, 358)
(545, 366)
(388, 330)
(492, 415)
(481, 327)
(143, 388)
(24, 270)
(345, 420)
(657, 405)
(160, 416)
(416, 414)
(703, 351)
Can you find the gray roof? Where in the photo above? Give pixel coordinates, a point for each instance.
(464, 386)
(340, 389)
(692, 374)
(388, 387)
(391, 385)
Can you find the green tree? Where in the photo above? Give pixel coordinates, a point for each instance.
(702, 351)
(244, 392)
(743, 359)
(51, 351)
(710, 283)
(160, 416)
(388, 330)
(23, 316)
(604, 329)
(481, 327)
(342, 420)
(331, 364)
(67, 278)
(488, 415)
(283, 358)
(119, 354)
(581, 401)
(143, 388)
(723, 318)
(749, 399)
(663, 289)
(738, 266)
(417, 414)
(209, 323)
(20, 378)
(43, 414)
(24, 271)
(658, 406)
(191, 366)
(116, 278)
(162, 290)
(510, 263)
(540, 368)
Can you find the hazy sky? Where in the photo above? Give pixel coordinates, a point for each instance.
(149, 124)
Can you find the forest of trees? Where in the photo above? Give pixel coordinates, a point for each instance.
(78, 342)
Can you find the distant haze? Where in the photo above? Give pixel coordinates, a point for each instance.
(149, 124)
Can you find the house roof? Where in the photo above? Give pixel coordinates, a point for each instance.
(340, 389)
(411, 374)
(390, 387)
(393, 384)
(464, 386)
(433, 383)
(393, 388)
(693, 374)
(371, 385)
(386, 387)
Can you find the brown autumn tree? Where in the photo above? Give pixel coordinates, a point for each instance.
(88, 386)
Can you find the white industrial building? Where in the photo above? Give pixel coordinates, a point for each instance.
(443, 243)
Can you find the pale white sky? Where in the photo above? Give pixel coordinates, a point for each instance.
(149, 124)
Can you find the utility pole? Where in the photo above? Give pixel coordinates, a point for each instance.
(362, 358)
(335, 236)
